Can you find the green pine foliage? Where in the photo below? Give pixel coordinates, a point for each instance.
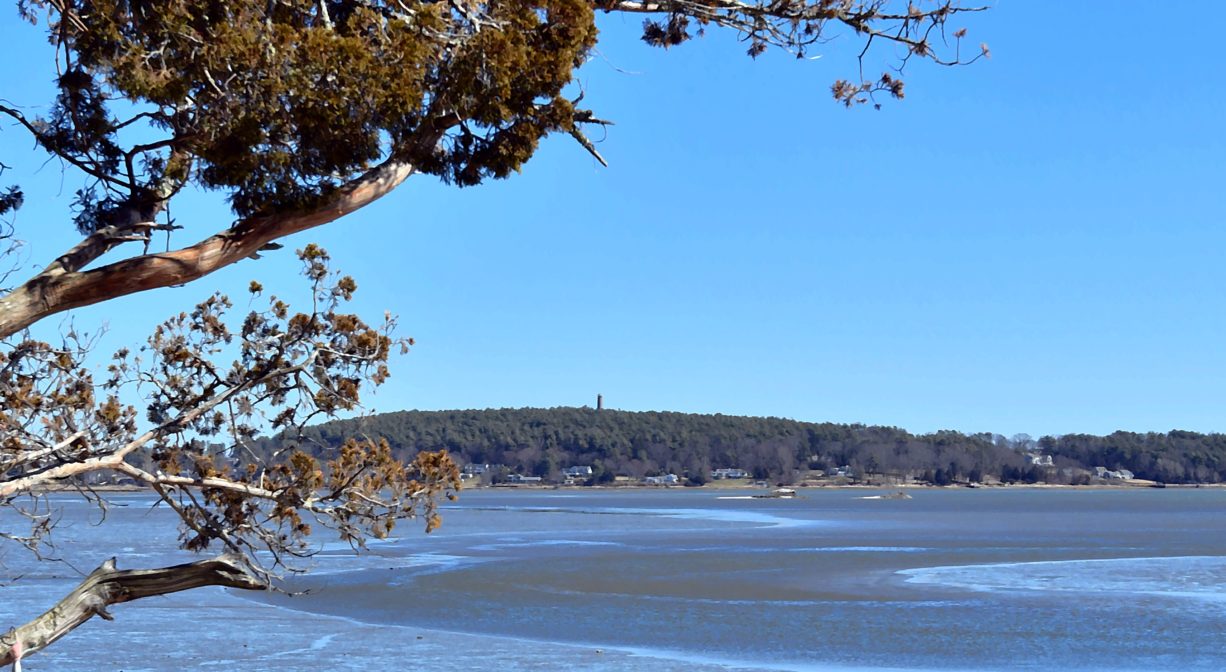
(279, 103)
(541, 442)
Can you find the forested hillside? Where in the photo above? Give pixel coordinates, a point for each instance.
(543, 442)
(1174, 457)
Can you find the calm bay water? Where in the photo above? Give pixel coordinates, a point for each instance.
(684, 580)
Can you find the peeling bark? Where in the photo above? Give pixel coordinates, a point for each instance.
(107, 585)
(63, 285)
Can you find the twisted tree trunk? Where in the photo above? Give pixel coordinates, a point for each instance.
(66, 283)
(106, 586)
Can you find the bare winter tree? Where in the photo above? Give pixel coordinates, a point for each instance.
(64, 428)
(300, 112)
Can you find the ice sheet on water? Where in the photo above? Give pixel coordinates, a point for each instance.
(1191, 577)
(721, 515)
(705, 514)
(864, 549)
(516, 543)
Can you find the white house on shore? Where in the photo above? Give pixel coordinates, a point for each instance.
(720, 474)
(667, 479)
(1040, 460)
(576, 475)
(1118, 474)
(473, 470)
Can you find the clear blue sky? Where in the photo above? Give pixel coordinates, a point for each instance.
(1031, 244)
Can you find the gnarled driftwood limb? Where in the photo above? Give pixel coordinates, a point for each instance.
(106, 586)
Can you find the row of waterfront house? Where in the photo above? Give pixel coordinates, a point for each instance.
(576, 475)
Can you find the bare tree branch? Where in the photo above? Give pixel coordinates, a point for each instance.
(62, 286)
(107, 586)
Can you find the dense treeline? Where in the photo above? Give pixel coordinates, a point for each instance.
(1174, 457)
(543, 442)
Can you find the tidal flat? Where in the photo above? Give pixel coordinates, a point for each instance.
(683, 580)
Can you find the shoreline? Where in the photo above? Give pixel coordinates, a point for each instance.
(1135, 484)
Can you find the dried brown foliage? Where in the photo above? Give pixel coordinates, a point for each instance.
(60, 425)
